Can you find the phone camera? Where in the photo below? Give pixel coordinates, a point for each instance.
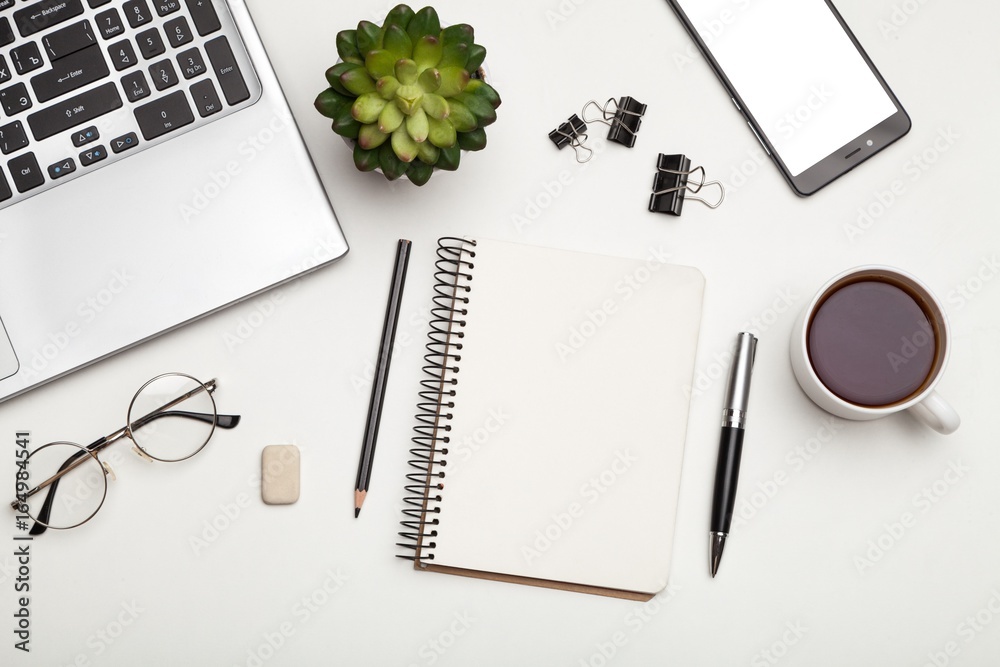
(870, 143)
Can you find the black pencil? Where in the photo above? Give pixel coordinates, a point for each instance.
(381, 375)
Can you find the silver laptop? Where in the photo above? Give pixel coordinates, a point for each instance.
(150, 174)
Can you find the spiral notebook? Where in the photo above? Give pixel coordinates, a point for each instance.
(552, 418)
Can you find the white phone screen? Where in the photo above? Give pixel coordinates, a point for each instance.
(797, 71)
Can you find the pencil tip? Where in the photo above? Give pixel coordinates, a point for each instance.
(359, 500)
(357, 512)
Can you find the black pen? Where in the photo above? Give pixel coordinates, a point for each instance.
(381, 374)
(727, 471)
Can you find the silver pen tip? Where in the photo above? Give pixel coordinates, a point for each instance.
(716, 543)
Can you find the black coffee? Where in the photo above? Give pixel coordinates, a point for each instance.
(871, 343)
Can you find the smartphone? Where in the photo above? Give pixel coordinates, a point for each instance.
(802, 81)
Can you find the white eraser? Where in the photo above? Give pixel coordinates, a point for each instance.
(279, 474)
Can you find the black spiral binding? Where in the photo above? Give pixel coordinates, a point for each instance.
(451, 298)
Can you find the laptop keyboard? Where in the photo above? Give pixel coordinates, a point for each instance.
(85, 83)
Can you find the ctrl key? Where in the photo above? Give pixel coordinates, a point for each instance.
(25, 172)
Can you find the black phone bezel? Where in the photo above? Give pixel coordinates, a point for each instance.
(842, 160)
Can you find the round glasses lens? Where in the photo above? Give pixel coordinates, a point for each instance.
(172, 417)
(74, 497)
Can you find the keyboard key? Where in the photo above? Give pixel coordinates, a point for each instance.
(122, 55)
(163, 74)
(95, 154)
(191, 63)
(124, 142)
(70, 39)
(94, 4)
(25, 172)
(178, 31)
(5, 74)
(137, 13)
(135, 86)
(109, 23)
(6, 32)
(206, 21)
(26, 58)
(164, 7)
(15, 99)
(62, 168)
(6, 4)
(69, 73)
(42, 15)
(5, 192)
(150, 43)
(73, 111)
(206, 100)
(234, 88)
(12, 137)
(85, 136)
(163, 115)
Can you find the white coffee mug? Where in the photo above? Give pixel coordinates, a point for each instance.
(926, 405)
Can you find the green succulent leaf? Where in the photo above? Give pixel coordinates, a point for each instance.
(400, 15)
(442, 133)
(344, 123)
(366, 108)
(418, 126)
(333, 77)
(409, 98)
(391, 165)
(390, 118)
(419, 172)
(459, 34)
(427, 52)
(481, 89)
(424, 22)
(387, 87)
(370, 137)
(397, 42)
(357, 81)
(453, 81)
(406, 71)
(365, 160)
(472, 141)
(454, 55)
(429, 80)
(436, 106)
(477, 54)
(482, 109)
(404, 146)
(449, 158)
(460, 116)
(347, 46)
(380, 63)
(329, 102)
(429, 153)
(369, 37)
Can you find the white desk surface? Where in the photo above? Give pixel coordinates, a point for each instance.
(819, 570)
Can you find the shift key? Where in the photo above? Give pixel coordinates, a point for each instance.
(74, 111)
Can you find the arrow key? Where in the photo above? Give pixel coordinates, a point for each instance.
(85, 136)
(124, 142)
(62, 168)
(95, 154)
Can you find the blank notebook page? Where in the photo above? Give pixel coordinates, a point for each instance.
(570, 417)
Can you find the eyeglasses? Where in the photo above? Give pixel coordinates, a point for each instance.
(158, 431)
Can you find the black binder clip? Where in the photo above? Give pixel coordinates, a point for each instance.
(572, 133)
(675, 180)
(623, 117)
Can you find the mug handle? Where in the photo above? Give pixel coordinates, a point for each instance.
(936, 413)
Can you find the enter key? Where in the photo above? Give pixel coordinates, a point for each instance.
(69, 73)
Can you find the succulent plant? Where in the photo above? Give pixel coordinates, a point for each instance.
(408, 94)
